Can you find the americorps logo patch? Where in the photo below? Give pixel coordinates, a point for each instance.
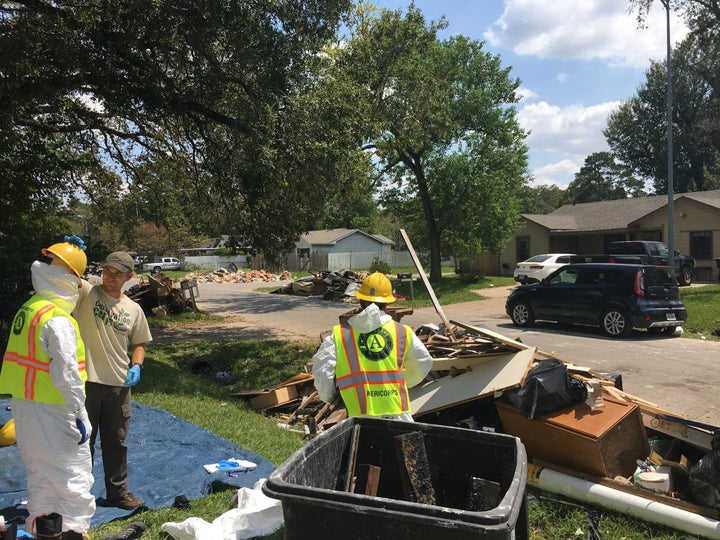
(376, 345)
(19, 322)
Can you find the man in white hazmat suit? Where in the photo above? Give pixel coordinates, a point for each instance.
(372, 360)
(44, 371)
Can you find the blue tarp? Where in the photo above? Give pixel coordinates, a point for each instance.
(165, 459)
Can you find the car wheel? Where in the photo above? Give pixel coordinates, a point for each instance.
(156, 270)
(686, 276)
(615, 323)
(522, 314)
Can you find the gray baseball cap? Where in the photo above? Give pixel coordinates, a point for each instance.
(120, 260)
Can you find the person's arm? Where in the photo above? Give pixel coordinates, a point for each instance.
(324, 362)
(59, 341)
(138, 355)
(418, 362)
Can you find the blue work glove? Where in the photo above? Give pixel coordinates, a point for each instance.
(75, 239)
(82, 422)
(133, 376)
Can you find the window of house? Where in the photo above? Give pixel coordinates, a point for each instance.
(522, 248)
(303, 253)
(701, 244)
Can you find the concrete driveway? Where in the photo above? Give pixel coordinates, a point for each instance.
(678, 374)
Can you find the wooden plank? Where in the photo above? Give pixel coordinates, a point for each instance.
(414, 467)
(500, 338)
(699, 438)
(352, 458)
(429, 288)
(462, 362)
(367, 479)
(500, 373)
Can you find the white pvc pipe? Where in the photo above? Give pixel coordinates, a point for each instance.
(620, 501)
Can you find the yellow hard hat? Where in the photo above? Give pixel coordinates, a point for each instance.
(71, 255)
(376, 288)
(7, 433)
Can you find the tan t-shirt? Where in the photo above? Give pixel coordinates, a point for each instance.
(109, 327)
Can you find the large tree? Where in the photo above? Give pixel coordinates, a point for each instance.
(86, 86)
(425, 100)
(637, 131)
(601, 178)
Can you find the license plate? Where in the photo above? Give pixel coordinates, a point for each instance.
(670, 316)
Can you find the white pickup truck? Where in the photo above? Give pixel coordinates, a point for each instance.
(163, 263)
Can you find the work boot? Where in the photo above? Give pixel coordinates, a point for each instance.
(8, 531)
(127, 502)
(132, 531)
(48, 527)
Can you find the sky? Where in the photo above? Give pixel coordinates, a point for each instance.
(577, 61)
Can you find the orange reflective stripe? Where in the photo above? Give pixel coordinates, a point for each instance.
(32, 352)
(351, 353)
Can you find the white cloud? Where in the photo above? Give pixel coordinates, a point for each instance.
(560, 173)
(523, 93)
(584, 30)
(573, 130)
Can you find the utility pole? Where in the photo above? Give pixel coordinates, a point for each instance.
(670, 188)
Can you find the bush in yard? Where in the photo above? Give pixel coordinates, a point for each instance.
(379, 266)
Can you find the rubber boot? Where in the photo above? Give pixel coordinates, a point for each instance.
(48, 527)
(8, 531)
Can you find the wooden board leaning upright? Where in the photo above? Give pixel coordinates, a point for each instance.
(429, 288)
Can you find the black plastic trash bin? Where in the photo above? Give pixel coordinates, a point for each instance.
(310, 485)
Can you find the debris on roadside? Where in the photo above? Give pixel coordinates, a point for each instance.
(161, 296)
(336, 286)
(233, 275)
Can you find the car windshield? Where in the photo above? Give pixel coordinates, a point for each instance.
(538, 258)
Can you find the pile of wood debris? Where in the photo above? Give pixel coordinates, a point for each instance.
(336, 286)
(227, 276)
(160, 295)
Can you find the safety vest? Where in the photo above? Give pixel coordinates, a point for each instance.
(26, 368)
(369, 369)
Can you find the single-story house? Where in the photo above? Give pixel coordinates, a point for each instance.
(588, 228)
(335, 249)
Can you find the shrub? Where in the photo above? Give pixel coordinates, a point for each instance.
(380, 266)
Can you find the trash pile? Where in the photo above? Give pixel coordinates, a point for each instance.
(233, 275)
(161, 296)
(335, 286)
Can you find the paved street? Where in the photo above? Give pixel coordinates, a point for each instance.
(678, 374)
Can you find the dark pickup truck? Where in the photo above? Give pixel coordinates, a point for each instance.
(645, 252)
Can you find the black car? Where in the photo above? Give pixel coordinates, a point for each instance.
(616, 297)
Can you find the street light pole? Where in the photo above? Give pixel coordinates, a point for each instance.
(671, 211)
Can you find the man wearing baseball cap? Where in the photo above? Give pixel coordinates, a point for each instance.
(112, 324)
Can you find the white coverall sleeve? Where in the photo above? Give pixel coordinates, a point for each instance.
(324, 362)
(59, 341)
(418, 362)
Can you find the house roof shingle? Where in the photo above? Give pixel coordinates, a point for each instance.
(611, 215)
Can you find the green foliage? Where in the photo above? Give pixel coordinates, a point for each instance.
(637, 131)
(541, 199)
(703, 307)
(601, 178)
(380, 266)
(433, 108)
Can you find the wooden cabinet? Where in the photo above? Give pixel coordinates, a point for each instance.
(604, 442)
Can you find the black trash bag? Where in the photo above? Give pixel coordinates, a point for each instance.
(705, 477)
(548, 387)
